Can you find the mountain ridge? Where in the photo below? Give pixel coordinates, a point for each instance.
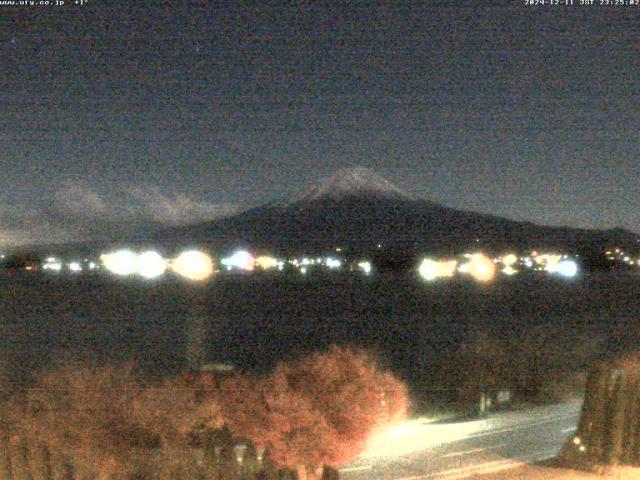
(358, 210)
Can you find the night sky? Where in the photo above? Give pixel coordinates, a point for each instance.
(117, 115)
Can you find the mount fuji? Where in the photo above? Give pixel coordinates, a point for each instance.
(353, 182)
(362, 212)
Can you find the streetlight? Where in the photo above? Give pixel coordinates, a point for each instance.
(150, 264)
(122, 262)
(193, 265)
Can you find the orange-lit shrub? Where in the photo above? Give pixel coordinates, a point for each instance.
(317, 411)
(106, 423)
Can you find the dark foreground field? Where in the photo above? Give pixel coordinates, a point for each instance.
(254, 321)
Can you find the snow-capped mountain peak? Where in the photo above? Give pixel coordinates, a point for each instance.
(357, 181)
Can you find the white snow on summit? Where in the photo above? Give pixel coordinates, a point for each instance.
(351, 181)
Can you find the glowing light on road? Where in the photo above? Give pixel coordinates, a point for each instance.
(122, 262)
(241, 260)
(414, 435)
(193, 265)
(567, 268)
(150, 264)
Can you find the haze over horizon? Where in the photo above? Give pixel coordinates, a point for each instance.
(119, 117)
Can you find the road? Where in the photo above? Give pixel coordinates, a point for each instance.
(422, 450)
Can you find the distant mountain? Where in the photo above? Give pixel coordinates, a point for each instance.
(360, 211)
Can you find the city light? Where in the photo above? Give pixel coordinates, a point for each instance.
(75, 267)
(432, 269)
(122, 262)
(52, 264)
(241, 260)
(567, 268)
(479, 267)
(428, 269)
(509, 270)
(194, 265)
(266, 262)
(550, 262)
(509, 259)
(365, 267)
(150, 264)
(333, 263)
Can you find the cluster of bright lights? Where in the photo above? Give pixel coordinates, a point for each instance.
(479, 266)
(192, 264)
(240, 260)
(53, 264)
(509, 259)
(552, 263)
(547, 262)
(75, 267)
(509, 262)
(304, 264)
(619, 255)
(265, 262)
(333, 263)
(431, 269)
(484, 269)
